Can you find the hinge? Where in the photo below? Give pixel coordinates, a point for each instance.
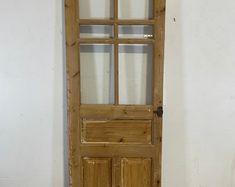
(159, 111)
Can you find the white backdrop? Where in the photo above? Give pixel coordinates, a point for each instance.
(199, 120)
(31, 94)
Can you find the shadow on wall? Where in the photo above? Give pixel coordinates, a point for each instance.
(233, 173)
(65, 124)
(60, 175)
(174, 126)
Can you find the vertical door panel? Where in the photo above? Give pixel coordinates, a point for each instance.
(97, 172)
(136, 172)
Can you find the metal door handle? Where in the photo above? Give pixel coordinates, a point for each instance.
(159, 111)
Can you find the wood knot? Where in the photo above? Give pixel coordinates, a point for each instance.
(124, 111)
(71, 44)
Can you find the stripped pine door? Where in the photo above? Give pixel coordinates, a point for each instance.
(115, 53)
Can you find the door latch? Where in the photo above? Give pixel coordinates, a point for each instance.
(159, 111)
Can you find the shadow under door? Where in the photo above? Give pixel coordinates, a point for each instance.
(115, 52)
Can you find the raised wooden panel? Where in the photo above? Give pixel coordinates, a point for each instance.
(97, 172)
(117, 131)
(136, 172)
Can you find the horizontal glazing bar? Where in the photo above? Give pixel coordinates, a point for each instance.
(135, 41)
(135, 22)
(110, 22)
(96, 40)
(120, 41)
(96, 22)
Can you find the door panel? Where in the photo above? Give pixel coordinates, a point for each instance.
(97, 172)
(136, 172)
(117, 131)
(115, 51)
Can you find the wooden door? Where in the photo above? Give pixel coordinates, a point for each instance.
(115, 91)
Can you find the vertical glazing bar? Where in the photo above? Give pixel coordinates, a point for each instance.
(116, 52)
(154, 52)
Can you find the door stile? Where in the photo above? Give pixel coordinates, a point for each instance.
(159, 30)
(73, 87)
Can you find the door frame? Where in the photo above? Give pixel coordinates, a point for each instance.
(73, 81)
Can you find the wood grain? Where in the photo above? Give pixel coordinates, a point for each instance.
(112, 21)
(96, 22)
(159, 30)
(117, 131)
(95, 112)
(97, 172)
(114, 150)
(135, 22)
(116, 54)
(73, 87)
(117, 41)
(136, 172)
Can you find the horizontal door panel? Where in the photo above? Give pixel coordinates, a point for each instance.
(117, 131)
(99, 112)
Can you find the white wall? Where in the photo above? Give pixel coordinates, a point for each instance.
(199, 141)
(31, 94)
(199, 121)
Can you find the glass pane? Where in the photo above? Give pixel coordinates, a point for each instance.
(135, 31)
(96, 9)
(97, 74)
(135, 9)
(96, 31)
(135, 74)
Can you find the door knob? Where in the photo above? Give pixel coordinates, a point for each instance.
(159, 111)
